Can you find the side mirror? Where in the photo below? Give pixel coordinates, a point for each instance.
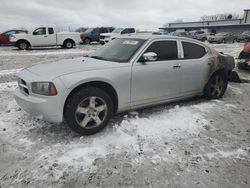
(150, 56)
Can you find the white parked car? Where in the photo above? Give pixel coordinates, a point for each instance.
(125, 74)
(45, 36)
(119, 32)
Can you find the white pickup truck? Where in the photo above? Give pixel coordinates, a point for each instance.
(45, 36)
(118, 32)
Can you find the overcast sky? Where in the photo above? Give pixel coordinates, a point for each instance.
(142, 14)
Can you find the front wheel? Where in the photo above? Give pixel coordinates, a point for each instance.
(88, 110)
(216, 86)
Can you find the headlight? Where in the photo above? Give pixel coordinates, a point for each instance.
(44, 88)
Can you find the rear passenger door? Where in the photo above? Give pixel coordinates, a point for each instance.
(194, 67)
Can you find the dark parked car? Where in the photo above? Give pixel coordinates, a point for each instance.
(223, 37)
(245, 36)
(93, 34)
(5, 36)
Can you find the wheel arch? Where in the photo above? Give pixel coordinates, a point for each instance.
(69, 40)
(108, 88)
(25, 40)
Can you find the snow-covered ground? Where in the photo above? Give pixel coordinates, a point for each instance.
(194, 143)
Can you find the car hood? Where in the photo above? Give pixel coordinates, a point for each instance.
(68, 66)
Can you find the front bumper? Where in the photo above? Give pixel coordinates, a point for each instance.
(104, 41)
(42, 108)
(243, 65)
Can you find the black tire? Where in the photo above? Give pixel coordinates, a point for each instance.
(68, 44)
(78, 109)
(216, 86)
(203, 39)
(23, 45)
(87, 41)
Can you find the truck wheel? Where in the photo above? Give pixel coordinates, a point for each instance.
(23, 45)
(88, 110)
(216, 86)
(87, 41)
(68, 44)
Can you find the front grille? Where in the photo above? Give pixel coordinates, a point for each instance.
(102, 37)
(23, 86)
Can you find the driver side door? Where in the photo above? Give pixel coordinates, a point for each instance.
(40, 37)
(156, 81)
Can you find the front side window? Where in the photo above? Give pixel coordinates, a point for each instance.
(103, 30)
(165, 50)
(40, 31)
(51, 30)
(118, 50)
(193, 51)
(125, 31)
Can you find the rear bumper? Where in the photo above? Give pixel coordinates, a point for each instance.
(12, 43)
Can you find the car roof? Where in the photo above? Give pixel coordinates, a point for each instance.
(153, 37)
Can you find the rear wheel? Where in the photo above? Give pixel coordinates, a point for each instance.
(23, 45)
(68, 44)
(87, 41)
(216, 86)
(88, 110)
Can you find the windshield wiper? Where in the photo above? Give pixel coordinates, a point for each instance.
(97, 57)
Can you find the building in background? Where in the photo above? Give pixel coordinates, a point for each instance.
(236, 26)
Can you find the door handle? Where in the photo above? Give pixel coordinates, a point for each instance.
(177, 66)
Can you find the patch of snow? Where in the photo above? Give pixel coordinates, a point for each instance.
(9, 71)
(8, 86)
(235, 89)
(131, 135)
(39, 53)
(225, 154)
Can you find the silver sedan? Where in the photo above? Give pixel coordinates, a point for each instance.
(125, 74)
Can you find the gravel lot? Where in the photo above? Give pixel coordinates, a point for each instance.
(194, 143)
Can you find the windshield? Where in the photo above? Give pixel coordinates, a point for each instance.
(89, 30)
(117, 30)
(118, 50)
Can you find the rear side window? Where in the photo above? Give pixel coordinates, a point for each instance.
(193, 51)
(165, 50)
(51, 30)
(131, 30)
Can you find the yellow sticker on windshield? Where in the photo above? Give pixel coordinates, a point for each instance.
(131, 42)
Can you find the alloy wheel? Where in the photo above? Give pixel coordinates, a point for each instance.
(91, 112)
(216, 86)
